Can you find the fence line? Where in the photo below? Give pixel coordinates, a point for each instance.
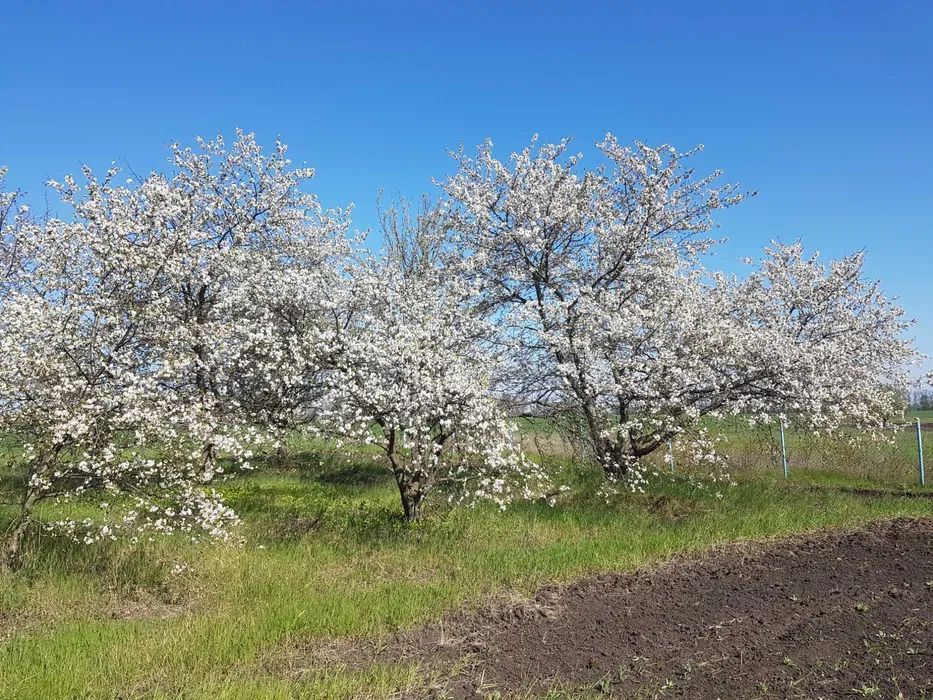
(785, 451)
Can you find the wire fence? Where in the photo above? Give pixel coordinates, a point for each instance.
(899, 459)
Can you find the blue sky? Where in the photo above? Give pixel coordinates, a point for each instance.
(825, 108)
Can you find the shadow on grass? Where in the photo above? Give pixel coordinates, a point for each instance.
(354, 504)
(355, 474)
(119, 567)
(327, 468)
(285, 508)
(867, 492)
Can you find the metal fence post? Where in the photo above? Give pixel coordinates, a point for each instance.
(670, 452)
(783, 450)
(920, 453)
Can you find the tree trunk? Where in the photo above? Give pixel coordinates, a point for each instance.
(12, 556)
(11, 549)
(412, 494)
(614, 460)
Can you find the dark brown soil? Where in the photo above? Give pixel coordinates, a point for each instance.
(829, 616)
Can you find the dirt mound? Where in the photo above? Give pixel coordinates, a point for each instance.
(836, 615)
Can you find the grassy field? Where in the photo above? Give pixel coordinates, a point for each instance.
(324, 554)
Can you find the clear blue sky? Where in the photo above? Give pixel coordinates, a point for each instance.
(826, 108)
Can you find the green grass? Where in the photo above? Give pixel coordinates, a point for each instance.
(325, 555)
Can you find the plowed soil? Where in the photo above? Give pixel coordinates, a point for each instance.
(840, 615)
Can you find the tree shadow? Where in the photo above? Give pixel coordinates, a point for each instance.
(118, 567)
(361, 473)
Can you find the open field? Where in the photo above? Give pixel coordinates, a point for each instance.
(325, 557)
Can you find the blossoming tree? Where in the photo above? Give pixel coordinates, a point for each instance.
(414, 377)
(171, 322)
(81, 399)
(598, 284)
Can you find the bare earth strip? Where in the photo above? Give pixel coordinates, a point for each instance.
(828, 616)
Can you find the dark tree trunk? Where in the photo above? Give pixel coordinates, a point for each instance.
(11, 557)
(411, 488)
(412, 493)
(620, 457)
(614, 459)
